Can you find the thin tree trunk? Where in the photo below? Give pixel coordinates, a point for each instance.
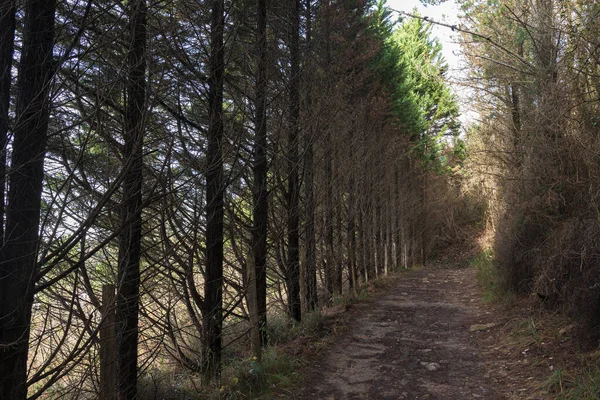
(108, 345)
(397, 218)
(339, 240)
(379, 240)
(7, 38)
(329, 245)
(368, 217)
(369, 251)
(389, 228)
(18, 258)
(260, 192)
(362, 248)
(213, 288)
(255, 340)
(329, 211)
(128, 287)
(310, 271)
(423, 232)
(351, 234)
(293, 262)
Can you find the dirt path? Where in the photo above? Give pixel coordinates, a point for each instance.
(417, 341)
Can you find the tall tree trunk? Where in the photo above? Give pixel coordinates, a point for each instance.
(397, 217)
(379, 240)
(329, 245)
(369, 250)
(213, 288)
(329, 211)
(338, 282)
(7, 38)
(260, 193)
(293, 258)
(128, 287)
(423, 231)
(351, 234)
(362, 248)
(350, 224)
(310, 271)
(516, 116)
(18, 258)
(389, 220)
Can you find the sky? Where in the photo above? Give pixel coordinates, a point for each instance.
(446, 12)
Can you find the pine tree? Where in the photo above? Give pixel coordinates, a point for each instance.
(215, 190)
(19, 255)
(130, 253)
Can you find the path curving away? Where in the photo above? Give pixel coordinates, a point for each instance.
(416, 341)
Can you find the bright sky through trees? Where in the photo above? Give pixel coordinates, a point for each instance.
(446, 12)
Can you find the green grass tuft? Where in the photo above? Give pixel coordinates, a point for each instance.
(584, 385)
(244, 379)
(282, 329)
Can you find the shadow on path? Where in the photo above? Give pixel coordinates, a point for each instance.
(414, 342)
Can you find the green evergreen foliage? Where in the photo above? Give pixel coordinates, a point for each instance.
(425, 70)
(393, 74)
(413, 71)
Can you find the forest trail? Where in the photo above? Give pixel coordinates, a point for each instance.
(421, 339)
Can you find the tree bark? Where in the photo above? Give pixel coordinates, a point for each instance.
(338, 282)
(329, 211)
(108, 348)
(362, 248)
(7, 38)
(369, 249)
(293, 258)
(329, 208)
(128, 286)
(18, 258)
(255, 335)
(351, 236)
(397, 217)
(351, 224)
(379, 240)
(260, 190)
(389, 223)
(310, 271)
(213, 287)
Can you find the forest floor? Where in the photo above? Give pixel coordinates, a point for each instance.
(429, 335)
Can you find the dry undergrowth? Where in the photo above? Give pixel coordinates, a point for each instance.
(291, 347)
(536, 347)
